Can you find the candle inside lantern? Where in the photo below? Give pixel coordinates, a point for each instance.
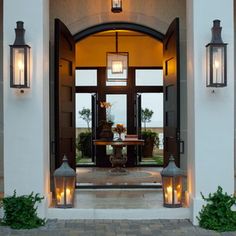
(169, 195)
(68, 196)
(61, 198)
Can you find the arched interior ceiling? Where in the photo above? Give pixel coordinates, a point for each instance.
(144, 51)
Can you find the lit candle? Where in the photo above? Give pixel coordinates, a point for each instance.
(20, 67)
(216, 64)
(175, 197)
(62, 199)
(169, 195)
(68, 196)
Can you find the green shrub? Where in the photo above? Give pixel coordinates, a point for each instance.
(84, 143)
(20, 211)
(217, 214)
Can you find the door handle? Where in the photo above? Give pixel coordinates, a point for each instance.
(181, 147)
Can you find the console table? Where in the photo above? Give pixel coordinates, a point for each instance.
(117, 159)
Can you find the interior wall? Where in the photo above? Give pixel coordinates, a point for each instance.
(143, 50)
(156, 14)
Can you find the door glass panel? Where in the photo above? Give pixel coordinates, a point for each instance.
(118, 108)
(86, 77)
(149, 77)
(118, 113)
(152, 126)
(83, 118)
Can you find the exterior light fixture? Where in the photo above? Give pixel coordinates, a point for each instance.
(64, 181)
(117, 64)
(172, 184)
(216, 58)
(20, 60)
(116, 6)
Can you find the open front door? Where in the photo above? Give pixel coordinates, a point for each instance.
(94, 124)
(64, 94)
(138, 123)
(171, 90)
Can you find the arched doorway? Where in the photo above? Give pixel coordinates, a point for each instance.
(65, 84)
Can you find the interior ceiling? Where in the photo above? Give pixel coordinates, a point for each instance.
(144, 51)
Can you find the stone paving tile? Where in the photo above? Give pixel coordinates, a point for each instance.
(115, 228)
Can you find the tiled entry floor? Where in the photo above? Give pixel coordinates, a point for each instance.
(119, 204)
(102, 176)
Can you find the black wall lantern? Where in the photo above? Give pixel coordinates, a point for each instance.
(116, 6)
(20, 60)
(216, 61)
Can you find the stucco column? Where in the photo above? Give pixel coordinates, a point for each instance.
(210, 115)
(26, 115)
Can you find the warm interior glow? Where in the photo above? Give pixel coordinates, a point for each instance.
(20, 65)
(116, 67)
(216, 64)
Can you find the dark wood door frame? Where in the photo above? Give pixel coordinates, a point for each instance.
(115, 26)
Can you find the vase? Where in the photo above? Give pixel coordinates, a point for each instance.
(106, 131)
(119, 138)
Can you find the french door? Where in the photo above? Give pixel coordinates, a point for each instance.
(65, 97)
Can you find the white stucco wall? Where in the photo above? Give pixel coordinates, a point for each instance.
(210, 115)
(26, 115)
(1, 100)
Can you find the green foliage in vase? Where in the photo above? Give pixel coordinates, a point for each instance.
(20, 211)
(217, 214)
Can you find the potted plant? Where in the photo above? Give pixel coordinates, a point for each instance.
(150, 138)
(84, 142)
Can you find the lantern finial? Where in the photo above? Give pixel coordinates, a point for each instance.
(216, 32)
(20, 33)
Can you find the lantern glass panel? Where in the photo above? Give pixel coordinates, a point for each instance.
(64, 187)
(27, 62)
(18, 66)
(208, 64)
(117, 66)
(116, 3)
(218, 65)
(215, 65)
(172, 187)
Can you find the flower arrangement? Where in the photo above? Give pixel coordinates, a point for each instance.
(107, 106)
(119, 129)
